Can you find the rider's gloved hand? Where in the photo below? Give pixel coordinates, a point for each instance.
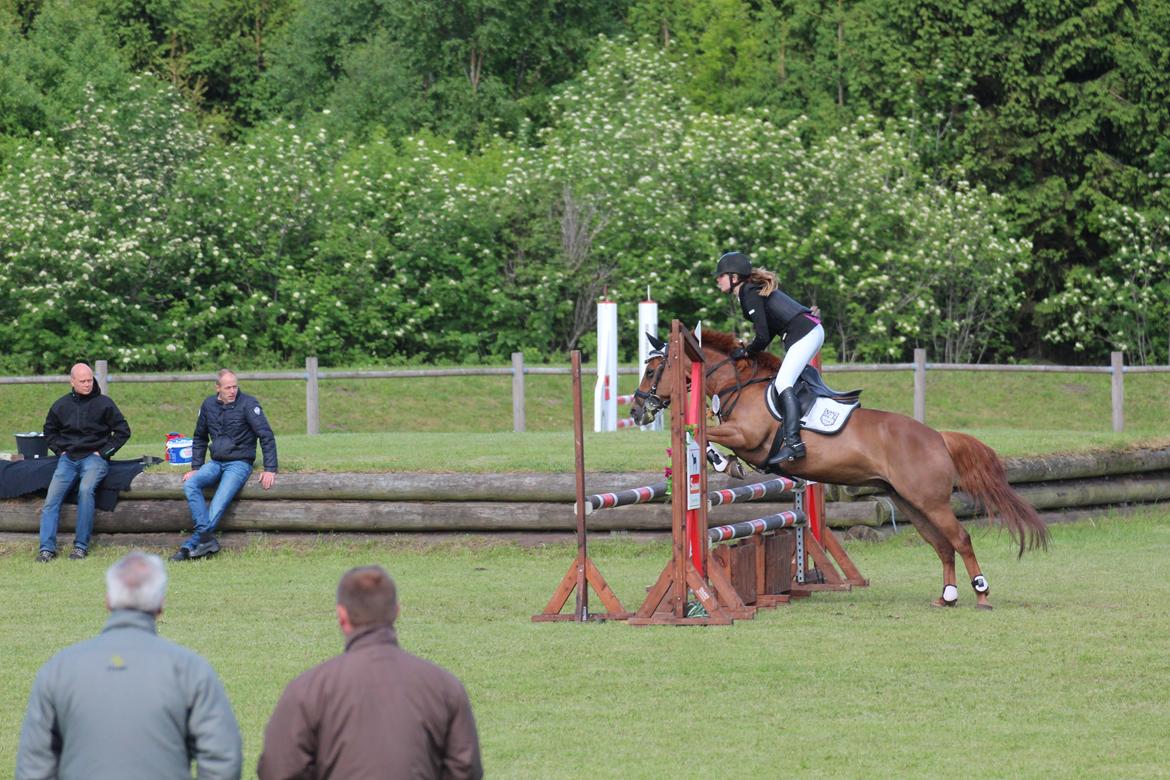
(739, 353)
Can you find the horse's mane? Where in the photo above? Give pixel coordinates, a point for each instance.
(726, 342)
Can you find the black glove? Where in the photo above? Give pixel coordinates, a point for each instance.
(739, 353)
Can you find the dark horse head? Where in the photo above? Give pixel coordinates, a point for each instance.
(648, 401)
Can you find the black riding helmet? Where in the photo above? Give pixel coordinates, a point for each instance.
(734, 263)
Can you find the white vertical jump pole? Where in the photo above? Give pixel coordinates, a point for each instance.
(605, 391)
(647, 323)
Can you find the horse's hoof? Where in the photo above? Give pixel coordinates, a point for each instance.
(941, 603)
(983, 606)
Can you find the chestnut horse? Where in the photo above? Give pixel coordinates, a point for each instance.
(917, 464)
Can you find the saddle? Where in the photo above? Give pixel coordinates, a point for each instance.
(822, 409)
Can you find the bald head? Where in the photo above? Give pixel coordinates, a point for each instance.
(81, 379)
(227, 387)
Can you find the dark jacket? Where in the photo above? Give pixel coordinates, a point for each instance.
(373, 711)
(775, 315)
(233, 429)
(77, 425)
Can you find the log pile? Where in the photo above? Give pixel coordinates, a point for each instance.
(544, 502)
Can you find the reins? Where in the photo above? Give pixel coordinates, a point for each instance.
(724, 413)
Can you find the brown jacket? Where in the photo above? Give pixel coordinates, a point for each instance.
(375, 711)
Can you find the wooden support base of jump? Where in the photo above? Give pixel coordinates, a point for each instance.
(582, 573)
(832, 569)
(582, 570)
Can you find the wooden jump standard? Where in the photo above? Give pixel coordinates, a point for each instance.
(582, 572)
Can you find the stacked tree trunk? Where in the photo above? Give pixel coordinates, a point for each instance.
(403, 502)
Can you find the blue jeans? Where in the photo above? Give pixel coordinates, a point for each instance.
(231, 476)
(91, 470)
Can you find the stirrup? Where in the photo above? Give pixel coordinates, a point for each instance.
(788, 452)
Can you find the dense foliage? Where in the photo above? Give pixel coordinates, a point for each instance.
(191, 180)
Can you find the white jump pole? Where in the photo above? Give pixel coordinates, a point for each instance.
(605, 391)
(647, 323)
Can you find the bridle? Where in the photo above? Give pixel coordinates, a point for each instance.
(652, 403)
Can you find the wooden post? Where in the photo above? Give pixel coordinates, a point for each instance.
(101, 374)
(582, 572)
(1116, 361)
(518, 392)
(312, 410)
(920, 384)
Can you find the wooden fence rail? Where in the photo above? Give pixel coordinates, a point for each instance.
(312, 375)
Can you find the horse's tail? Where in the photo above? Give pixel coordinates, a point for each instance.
(981, 476)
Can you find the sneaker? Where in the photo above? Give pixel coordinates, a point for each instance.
(182, 554)
(44, 556)
(78, 554)
(203, 549)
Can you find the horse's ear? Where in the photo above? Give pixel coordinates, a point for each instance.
(655, 342)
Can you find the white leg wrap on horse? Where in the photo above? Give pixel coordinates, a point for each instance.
(979, 583)
(716, 459)
(950, 594)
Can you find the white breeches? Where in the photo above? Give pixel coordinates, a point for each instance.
(797, 357)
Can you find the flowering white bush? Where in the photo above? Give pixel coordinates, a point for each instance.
(1125, 304)
(136, 238)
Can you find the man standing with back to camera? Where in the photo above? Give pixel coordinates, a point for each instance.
(375, 710)
(233, 421)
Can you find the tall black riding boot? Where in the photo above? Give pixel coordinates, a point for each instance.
(793, 447)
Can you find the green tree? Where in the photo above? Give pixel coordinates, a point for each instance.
(213, 51)
(47, 75)
(464, 69)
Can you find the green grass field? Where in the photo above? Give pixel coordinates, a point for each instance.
(464, 423)
(954, 400)
(1068, 677)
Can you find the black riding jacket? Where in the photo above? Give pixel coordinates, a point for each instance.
(77, 425)
(233, 429)
(776, 315)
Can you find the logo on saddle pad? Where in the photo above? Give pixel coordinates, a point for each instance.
(824, 416)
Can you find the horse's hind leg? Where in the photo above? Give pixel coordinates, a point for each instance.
(939, 515)
(941, 545)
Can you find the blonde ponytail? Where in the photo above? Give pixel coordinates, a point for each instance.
(766, 279)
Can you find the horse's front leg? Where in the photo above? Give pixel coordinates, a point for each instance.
(735, 440)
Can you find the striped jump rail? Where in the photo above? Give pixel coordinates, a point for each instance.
(761, 525)
(753, 492)
(642, 495)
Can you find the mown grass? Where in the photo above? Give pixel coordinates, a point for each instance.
(1068, 677)
(464, 423)
(955, 400)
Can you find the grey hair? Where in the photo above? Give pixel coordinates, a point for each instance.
(219, 375)
(137, 581)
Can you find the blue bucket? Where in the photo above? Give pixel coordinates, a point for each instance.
(179, 451)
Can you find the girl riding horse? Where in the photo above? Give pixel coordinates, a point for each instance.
(772, 313)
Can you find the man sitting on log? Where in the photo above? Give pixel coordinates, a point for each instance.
(84, 428)
(234, 422)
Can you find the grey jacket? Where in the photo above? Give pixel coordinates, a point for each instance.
(128, 704)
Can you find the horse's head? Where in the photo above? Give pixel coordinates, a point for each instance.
(656, 389)
(654, 392)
